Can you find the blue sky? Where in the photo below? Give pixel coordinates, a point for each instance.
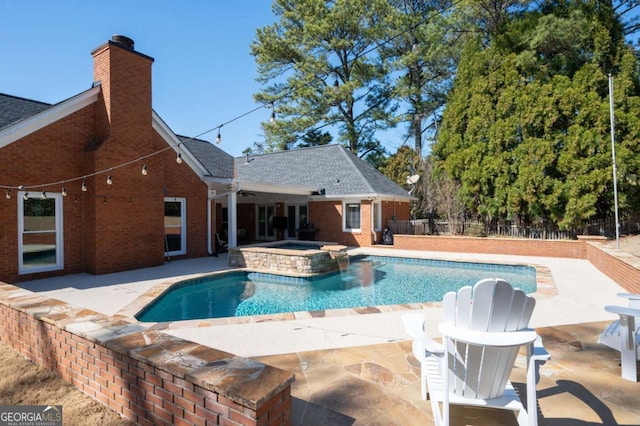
(203, 74)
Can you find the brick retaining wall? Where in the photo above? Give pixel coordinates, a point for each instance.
(514, 246)
(621, 267)
(147, 376)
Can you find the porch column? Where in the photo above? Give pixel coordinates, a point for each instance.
(232, 223)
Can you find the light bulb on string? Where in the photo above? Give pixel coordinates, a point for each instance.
(109, 180)
(273, 113)
(219, 137)
(84, 185)
(179, 157)
(8, 194)
(64, 191)
(25, 196)
(144, 171)
(44, 195)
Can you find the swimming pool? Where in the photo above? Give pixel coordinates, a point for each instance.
(370, 281)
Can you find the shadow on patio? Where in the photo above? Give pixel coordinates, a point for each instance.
(380, 385)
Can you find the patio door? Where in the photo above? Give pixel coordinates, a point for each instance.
(265, 215)
(298, 217)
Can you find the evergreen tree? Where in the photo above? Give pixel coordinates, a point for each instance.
(321, 67)
(526, 127)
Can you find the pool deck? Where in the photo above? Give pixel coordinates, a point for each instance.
(358, 369)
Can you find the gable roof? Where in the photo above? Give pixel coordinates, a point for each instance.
(217, 162)
(25, 116)
(329, 167)
(14, 109)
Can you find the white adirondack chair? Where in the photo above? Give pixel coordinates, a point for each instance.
(623, 335)
(483, 330)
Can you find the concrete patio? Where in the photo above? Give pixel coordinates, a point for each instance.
(359, 370)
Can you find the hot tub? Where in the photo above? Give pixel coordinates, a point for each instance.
(292, 257)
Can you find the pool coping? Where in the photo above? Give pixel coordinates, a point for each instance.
(545, 288)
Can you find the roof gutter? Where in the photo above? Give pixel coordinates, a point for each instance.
(276, 189)
(369, 196)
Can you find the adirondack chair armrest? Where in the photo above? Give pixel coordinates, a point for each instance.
(413, 324)
(538, 352)
(426, 346)
(629, 296)
(485, 338)
(623, 310)
(423, 345)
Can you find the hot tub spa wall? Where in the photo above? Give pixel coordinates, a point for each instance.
(303, 262)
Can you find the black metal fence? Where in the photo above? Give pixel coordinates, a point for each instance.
(606, 228)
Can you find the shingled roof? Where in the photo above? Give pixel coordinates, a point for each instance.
(328, 167)
(217, 162)
(14, 109)
(331, 168)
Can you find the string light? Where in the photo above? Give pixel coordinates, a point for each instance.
(273, 113)
(25, 196)
(44, 195)
(219, 136)
(144, 171)
(109, 180)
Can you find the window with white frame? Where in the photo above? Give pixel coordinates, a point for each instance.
(40, 237)
(175, 226)
(351, 215)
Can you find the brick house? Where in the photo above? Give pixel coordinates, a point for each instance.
(99, 183)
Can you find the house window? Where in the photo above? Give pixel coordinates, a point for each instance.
(40, 233)
(377, 216)
(351, 216)
(175, 226)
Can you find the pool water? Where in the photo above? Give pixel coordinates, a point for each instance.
(369, 281)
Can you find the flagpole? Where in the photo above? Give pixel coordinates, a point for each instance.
(613, 159)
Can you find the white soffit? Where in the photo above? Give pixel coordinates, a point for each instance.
(276, 189)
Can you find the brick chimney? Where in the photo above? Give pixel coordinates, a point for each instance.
(124, 222)
(125, 78)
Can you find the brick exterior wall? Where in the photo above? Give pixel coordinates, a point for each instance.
(51, 154)
(114, 227)
(129, 374)
(326, 217)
